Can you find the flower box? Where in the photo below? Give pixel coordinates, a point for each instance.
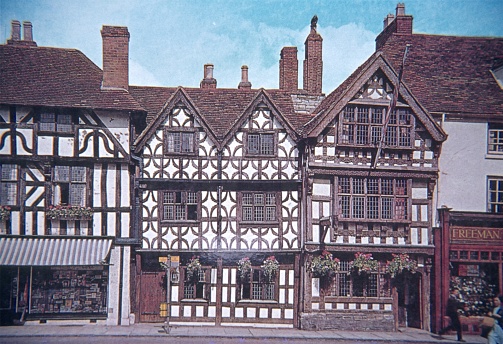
(61, 212)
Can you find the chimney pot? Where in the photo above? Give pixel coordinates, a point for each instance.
(208, 81)
(16, 30)
(388, 19)
(400, 9)
(27, 31)
(244, 84)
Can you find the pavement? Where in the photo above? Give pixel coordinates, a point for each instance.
(404, 335)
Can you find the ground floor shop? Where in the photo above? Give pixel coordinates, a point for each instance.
(219, 288)
(469, 257)
(59, 279)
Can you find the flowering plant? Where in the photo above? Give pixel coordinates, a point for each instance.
(4, 212)
(244, 268)
(399, 263)
(324, 265)
(69, 211)
(193, 268)
(270, 267)
(364, 262)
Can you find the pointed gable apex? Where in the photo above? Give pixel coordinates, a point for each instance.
(262, 98)
(178, 98)
(340, 97)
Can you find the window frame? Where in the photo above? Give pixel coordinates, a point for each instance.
(202, 285)
(496, 206)
(9, 185)
(265, 207)
(185, 203)
(261, 135)
(71, 190)
(497, 141)
(346, 282)
(362, 124)
(373, 199)
(182, 132)
(257, 283)
(56, 122)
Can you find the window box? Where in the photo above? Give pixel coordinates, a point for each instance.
(61, 212)
(4, 212)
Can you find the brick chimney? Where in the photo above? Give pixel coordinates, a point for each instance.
(313, 63)
(289, 70)
(244, 84)
(208, 81)
(115, 57)
(401, 24)
(27, 34)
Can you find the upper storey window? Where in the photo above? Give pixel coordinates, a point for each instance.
(260, 144)
(259, 206)
(363, 125)
(9, 182)
(180, 142)
(495, 195)
(179, 206)
(495, 144)
(70, 185)
(55, 122)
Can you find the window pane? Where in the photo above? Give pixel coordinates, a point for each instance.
(344, 204)
(169, 212)
(358, 207)
(373, 207)
(270, 213)
(271, 199)
(187, 143)
(62, 174)
(267, 147)
(259, 199)
(386, 209)
(377, 115)
(391, 135)
(78, 174)
(363, 115)
(8, 194)
(358, 186)
(259, 213)
(9, 172)
(64, 123)
(180, 212)
(344, 186)
(362, 134)
(77, 194)
(247, 214)
(170, 142)
(401, 187)
(401, 209)
(373, 186)
(387, 186)
(349, 114)
(372, 286)
(253, 144)
(191, 197)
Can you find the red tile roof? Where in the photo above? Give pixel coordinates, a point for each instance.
(42, 76)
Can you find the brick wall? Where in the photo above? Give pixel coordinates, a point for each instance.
(289, 69)
(313, 64)
(115, 56)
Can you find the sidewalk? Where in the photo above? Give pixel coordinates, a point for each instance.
(408, 335)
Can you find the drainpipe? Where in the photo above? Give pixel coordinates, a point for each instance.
(219, 199)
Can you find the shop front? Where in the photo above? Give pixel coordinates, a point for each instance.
(53, 279)
(468, 257)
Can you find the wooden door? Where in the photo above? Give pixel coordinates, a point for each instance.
(153, 292)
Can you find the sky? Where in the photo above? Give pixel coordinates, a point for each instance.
(171, 40)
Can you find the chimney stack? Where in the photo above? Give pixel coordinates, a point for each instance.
(208, 81)
(115, 57)
(16, 34)
(16, 30)
(313, 63)
(289, 70)
(401, 24)
(388, 19)
(244, 84)
(27, 31)
(403, 21)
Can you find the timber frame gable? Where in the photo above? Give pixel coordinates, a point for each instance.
(335, 103)
(177, 99)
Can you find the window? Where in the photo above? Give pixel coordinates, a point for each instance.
(495, 195)
(259, 206)
(179, 206)
(55, 122)
(8, 192)
(258, 288)
(373, 198)
(495, 144)
(363, 125)
(198, 288)
(352, 284)
(260, 144)
(70, 185)
(180, 142)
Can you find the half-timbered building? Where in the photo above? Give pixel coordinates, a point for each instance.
(65, 225)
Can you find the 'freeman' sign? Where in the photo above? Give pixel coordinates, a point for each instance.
(477, 234)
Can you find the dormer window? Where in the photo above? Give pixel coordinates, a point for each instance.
(55, 122)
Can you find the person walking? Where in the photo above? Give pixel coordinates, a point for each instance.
(453, 305)
(496, 334)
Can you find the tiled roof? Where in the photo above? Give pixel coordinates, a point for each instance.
(42, 76)
(220, 107)
(450, 74)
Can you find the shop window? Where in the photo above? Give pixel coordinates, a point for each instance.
(259, 206)
(463, 254)
(363, 125)
(348, 284)
(495, 138)
(495, 256)
(258, 287)
(70, 185)
(50, 121)
(9, 184)
(495, 195)
(180, 142)
(453, 255)
(198, 287)
(474, 255)
(179, 205)
(373, 198)
(261, 144)
(484, 255)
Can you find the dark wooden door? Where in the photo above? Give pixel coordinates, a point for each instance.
(153, 292)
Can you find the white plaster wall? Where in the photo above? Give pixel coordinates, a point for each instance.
(464, 167)
(113, 286)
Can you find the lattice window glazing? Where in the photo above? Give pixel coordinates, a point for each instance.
(9, 184)
(373, 198)
(198, 289)
(179, 206)
(349, 284)
(70, 185)
(260, 144)
(495, 195)
(258, 288)
(259, 206)
(181, 142)
(55, 122)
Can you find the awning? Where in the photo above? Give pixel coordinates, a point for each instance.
(25, 251)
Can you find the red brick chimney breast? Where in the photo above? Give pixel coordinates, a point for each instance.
(289, 69)
(115, 57)
(313, 63)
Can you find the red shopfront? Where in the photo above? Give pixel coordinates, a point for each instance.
(468, 256)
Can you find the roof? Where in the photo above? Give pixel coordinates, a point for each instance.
(450, 74)
(44, 76)
(219, 107)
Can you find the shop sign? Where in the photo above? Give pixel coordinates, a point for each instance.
(477, 234)
(468, 270)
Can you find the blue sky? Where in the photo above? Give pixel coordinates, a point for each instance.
(172, 40)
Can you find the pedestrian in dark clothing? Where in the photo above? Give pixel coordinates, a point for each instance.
(453, 304)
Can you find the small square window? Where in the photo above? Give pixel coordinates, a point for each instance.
(260, 144)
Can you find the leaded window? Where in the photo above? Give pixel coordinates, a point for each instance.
(9, 184)
(259, 206)
(198, 287)
(347, 284)
(50, 121)
(180, 142)
(373, 198)
(179, 205)
(260, 144)
(70, 185)
(258, 287)
(495, 195)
